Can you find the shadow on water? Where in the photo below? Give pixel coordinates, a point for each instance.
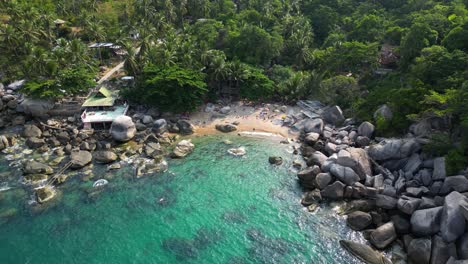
(234, 217)
(185, 248)
(265, 249)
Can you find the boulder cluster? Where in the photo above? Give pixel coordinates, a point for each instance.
(143, 139)
(395, 193)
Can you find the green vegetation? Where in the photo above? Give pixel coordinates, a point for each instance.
(258, 50)
(171, 88)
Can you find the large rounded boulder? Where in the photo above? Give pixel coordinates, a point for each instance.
(80, 158)
(105, 156)
(123, 129)
(183, 148)
(35, 108)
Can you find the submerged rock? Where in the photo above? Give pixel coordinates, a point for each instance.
(275, 160)
(364, 253)
(34, 167)
(45, 194)
(240, 151)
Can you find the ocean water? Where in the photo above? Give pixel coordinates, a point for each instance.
(210, 207)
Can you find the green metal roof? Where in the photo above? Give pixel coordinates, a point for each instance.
(103, 97)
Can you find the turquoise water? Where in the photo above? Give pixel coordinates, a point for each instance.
(208, 208)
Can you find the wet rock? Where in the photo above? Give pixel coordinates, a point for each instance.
(123, 129)
(185, 128)
(383, 236)
(322, 180)
(80, 158)
(152, 149)
(226, 128)
(275, 160)
(311, 197)
(364, 253)
(313, 126)
(335, 191)
(105, 156)
(386, 202)
(365, 205)
(359, 220)
(344, 174)
(45, 194)
(333, 115)
(34, 142)
(240, 151)
(452, 220)
(419, 251)
(307, 176)
(34, 167)
(31, 131)
(183, 148)
(366, 129)
(426, 222)
(393, 149)
(114, 166)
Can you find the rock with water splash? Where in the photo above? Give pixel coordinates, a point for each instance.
(364, 253)
(383, 236)
(45, 194)
(34, 167)
(240, 151)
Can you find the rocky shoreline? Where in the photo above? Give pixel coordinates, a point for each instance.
(395, 194)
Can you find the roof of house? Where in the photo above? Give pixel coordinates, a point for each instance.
(59, 21)
(103, 97)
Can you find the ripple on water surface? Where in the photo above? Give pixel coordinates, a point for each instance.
(208, 208)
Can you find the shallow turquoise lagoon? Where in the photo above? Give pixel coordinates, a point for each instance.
(208, 208)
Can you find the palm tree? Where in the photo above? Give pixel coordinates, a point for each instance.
(237, 72)
(132, 64)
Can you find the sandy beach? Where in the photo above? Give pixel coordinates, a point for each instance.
(262, 120)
